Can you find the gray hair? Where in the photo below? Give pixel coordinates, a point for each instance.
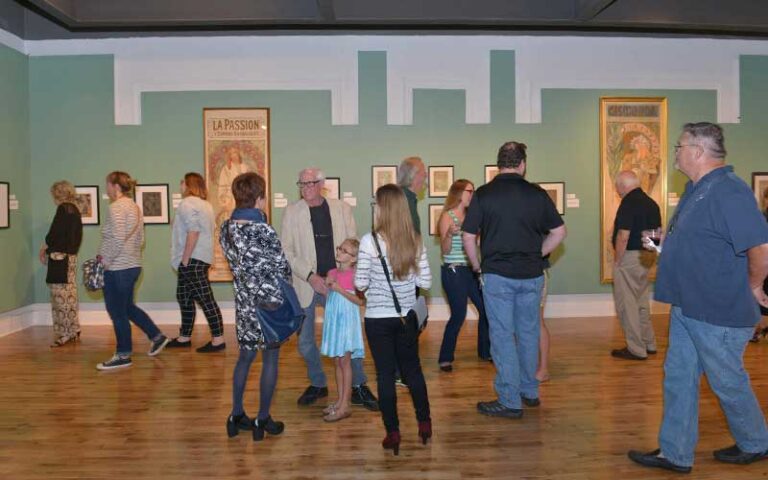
(408, 169)
(627, 179)
(317, 173)
(711, 134)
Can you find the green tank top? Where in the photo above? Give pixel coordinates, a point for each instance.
(457, 255)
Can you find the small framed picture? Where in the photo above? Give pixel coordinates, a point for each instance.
(332, 188)
(490, 172)
(88, 203)
(382, 175)
(435, 209)
(5, 205)
(440, 180)
(152, 199)
(760, 187)
(556, 191)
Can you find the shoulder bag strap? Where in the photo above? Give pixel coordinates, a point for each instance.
(386, 274)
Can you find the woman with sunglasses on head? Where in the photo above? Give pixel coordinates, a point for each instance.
(393, 341)
(457, 277)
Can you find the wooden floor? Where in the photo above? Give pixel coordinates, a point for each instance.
(164, 417)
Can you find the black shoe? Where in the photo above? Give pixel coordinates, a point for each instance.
(158, 345)
(312, 394)
(652, 459)
(735, 455)
(210, 347)
(651, 352)
(446, 368)
(530, 402)
(496, 409)
(266, 425)
(175, 343)
(362, 395)
(625, 354)
(235, 423)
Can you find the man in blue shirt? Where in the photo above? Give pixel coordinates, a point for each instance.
(711, 270)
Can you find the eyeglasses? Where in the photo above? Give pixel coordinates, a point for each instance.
(679, 146)
(339, 249)
(310, 183)
(470, 191)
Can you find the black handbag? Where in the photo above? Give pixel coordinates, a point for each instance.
(58, 268)
(418, 315)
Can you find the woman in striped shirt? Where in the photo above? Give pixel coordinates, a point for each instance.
(120, 251)
(457, 277)
(391, 341)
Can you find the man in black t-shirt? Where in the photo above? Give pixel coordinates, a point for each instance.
(519, 225)
(631, 287)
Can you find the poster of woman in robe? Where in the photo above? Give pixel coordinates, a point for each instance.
(236, 140)
(633, 136)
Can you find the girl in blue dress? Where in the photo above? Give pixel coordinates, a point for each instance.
(342, 329)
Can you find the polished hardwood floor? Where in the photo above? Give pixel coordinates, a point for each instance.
(164, 417)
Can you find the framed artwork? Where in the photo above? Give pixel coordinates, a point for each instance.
(5, 207)
(490, 172)
(440, 180)
(88, 203)
(332, 188)
(556, 191)
(152, 200)
(633, 136)
(382, 175)
(435, 209)
(760, 187)
(235, 141)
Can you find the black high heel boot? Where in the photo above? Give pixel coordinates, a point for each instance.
(425, 431)
(235, 423)
(266, 425)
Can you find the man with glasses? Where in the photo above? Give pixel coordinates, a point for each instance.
(312, 229)
(713, 261)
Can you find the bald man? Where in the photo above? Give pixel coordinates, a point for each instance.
(631, 288)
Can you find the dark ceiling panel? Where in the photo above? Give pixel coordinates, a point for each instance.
(12, 18)
(104, 18)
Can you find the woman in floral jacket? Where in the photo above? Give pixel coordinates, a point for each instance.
(258, 265)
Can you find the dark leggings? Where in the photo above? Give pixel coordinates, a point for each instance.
(269, 361)
(392, 345)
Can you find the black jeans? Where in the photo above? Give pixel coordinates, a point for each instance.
(391, 345)
(461, 283)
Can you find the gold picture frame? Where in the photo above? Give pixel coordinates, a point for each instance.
(235, 141)
(633, 136)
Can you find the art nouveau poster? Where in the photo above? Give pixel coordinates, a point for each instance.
(236, 140)
(633, 136)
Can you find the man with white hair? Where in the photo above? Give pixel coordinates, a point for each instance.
(631, 264)
(312, 229)
(411, 177)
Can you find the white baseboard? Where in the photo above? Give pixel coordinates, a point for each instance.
(167, 313)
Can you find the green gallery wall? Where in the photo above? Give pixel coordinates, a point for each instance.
(16, 242)
(68, 131)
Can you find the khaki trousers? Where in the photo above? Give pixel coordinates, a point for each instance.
(631, 295)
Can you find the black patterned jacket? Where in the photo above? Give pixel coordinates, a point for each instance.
(258, 262)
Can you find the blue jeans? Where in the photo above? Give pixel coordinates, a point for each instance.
(118, 298)
(696, 347)
(512, 306)
(459, 284)
(311, 354)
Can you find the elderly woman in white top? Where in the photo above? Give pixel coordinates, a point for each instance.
(120, 252)
(191, 256)
(392, 340)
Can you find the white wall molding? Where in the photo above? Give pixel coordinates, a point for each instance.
(167, 313)
(329, 63)
(12, 41)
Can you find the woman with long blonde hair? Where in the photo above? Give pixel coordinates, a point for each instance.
(393, 341)
(457, 277)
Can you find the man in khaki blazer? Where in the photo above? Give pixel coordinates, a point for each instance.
(305, 237)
